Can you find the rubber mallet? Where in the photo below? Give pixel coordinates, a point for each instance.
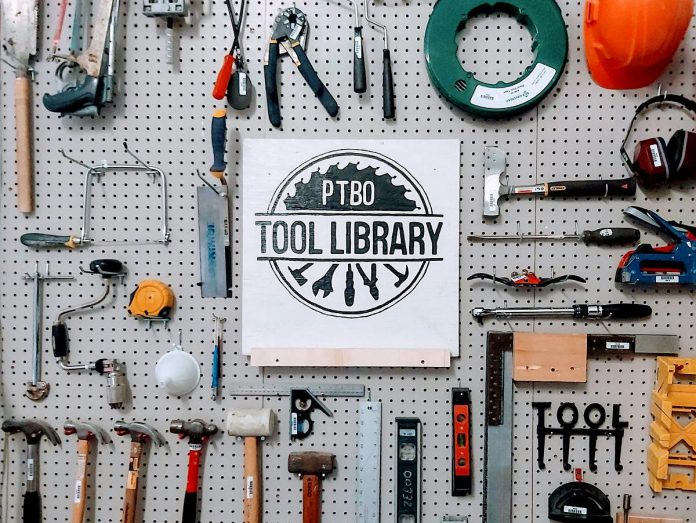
(251, 424)
(312, 467)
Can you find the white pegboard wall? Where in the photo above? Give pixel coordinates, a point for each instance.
(574, 133)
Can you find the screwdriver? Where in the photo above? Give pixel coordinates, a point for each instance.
(604, 236)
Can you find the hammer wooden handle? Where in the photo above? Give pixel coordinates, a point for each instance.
(252, 483)
(25, 185)
(80, 498)
(311, 499)
(131, 496)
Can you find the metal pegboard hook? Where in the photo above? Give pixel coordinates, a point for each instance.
(125, 146)
(74, 160)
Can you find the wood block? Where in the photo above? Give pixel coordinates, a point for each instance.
(646, 519)
(550, 357)
(291, 357)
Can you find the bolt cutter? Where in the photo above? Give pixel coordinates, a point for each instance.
(288, 30)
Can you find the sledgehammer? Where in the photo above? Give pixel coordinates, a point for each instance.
(311, 466)
(494, 163)
(251, 424)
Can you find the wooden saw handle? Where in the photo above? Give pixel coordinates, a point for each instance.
(25, 183)
(131, 496)
(80, 499)
(311, 499)
(252, 483)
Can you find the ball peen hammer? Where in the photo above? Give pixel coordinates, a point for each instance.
(33, 430)
(494, 189)
(198, 432)
(312, 467)
(140, 434)
(251, 424)
(86, 432)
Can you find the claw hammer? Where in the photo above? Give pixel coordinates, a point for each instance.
(198, 432)
(140, 434)
(86, 432)
(33, 430)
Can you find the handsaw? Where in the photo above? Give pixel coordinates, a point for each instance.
(19, 42)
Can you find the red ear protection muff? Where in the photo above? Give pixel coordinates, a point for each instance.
(656, 162)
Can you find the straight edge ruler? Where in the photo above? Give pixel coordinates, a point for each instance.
(369, 462)
(283, 389)
(497, 465)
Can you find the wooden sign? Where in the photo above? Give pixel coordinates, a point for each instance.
(351, 252)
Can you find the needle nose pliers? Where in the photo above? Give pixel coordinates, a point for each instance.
(288, 28)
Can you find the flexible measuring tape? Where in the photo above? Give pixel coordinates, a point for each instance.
(408, 470)
(550, 41)
(369, 461)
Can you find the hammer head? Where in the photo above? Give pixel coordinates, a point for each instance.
(33, 429)
(85, 430)
(494, 164)
(311, 463)
(251, 422)
(196, 430)
(139, 431)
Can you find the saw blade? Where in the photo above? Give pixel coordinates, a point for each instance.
(20, 30)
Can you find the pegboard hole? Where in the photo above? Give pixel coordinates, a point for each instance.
(495, 47)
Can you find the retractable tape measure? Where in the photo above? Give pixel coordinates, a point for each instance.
(151, 299)
(545, 22)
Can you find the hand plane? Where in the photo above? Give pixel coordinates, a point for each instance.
(672, 263)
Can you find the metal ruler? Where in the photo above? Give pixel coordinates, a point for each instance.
(369, 461)
(497, 465)
(408, 470)
(284, 388)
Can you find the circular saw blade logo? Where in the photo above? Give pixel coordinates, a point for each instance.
(349, 233)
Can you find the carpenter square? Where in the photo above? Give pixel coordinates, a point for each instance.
(214, 243)
(369, 461)
(283, 389)
(494, 189)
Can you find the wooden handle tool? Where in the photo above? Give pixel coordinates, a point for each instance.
(25, 178)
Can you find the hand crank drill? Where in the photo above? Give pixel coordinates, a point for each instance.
(85, 433)
(312, 467)
(198, 432)
(140, 434)
(33, 430)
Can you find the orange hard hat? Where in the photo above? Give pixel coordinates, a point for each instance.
(628, 43)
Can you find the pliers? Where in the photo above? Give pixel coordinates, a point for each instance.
(289, 26)
(526, 279)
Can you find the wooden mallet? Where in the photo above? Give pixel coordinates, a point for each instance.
(251, 424)
(312, 467)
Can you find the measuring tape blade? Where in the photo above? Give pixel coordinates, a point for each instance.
(283, 389)
(369, 461)
(408, 470)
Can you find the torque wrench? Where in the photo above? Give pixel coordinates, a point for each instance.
(617, 311)
(408, 470)
(369, 461)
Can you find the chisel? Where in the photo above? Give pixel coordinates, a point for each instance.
(603, 236)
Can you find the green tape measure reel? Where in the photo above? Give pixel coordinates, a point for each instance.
(550, 41)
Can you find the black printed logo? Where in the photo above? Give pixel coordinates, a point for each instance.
(349, 233)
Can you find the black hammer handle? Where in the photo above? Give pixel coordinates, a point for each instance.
(32, 508)
(623, 187)
(611, 236)
(387, 87)
(359, 78)
(190, 512)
